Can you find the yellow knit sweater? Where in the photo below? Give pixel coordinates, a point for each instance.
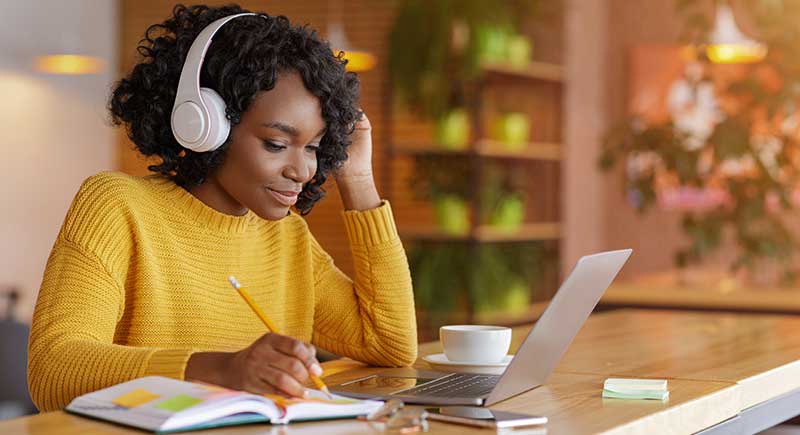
(137, 282)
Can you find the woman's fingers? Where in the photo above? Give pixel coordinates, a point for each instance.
(363, 122)
(282, 381)
(293, 366)
(312, 363)
(306, 353)
(274, 364)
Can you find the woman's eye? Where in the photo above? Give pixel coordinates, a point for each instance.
(312, 148)
(273, 147)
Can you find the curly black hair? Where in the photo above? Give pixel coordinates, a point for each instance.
(245, 58)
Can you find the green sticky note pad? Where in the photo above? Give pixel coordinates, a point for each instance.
(178, 403)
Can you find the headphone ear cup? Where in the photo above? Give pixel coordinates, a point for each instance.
(219, 125)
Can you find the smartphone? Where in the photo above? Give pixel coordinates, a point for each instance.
(483, 417)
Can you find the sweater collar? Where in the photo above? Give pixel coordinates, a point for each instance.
(200, 212)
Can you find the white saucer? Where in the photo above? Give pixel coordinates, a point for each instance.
(440, 362)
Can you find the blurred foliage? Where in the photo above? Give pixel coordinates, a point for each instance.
(463, 277)
(767, 97)
(435, 54)
(458, 277)
(500, 184)
(438, 176)
(433, 51)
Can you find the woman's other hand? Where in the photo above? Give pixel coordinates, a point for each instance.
(359, 153)
(354, 179)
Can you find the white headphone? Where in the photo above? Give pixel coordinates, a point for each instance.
(198, 115)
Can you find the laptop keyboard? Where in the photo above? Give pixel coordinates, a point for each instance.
(456, 385)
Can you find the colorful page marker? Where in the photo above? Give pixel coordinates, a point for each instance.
(135, 398)
(178, 403)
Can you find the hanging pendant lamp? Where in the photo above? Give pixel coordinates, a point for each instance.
(68, 64)
(357, 60)
(728, 44)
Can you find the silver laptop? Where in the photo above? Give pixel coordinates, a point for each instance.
(534, 361)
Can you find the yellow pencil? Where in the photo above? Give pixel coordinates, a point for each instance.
(270, 326)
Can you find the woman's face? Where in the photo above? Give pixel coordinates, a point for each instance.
(272, 153)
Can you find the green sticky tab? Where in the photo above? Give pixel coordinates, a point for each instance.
(178, 403)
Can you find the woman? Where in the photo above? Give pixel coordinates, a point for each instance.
(136, 284)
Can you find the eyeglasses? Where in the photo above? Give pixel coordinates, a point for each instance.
(399, 418)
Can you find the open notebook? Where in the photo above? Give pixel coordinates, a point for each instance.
(164, 405)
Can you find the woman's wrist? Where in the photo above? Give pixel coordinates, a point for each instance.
(358, 192)
(209, 367)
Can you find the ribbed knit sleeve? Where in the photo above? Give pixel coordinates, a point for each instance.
(371, 317)
(137, 281)
(81, 299)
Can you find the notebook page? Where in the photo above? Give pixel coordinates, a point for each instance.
(320, 406)
(151, 402)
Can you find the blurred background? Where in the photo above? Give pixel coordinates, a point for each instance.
(511, 136)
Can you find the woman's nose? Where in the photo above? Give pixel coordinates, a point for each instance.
(298, 168)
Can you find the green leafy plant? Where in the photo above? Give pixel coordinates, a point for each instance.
(453, 277)
(513, 130)
(502, 197)
(453, 130)
(447, 179)
(506, 275)
(439, 175)
(436, 48)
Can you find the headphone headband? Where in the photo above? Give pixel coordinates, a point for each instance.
(192, 119)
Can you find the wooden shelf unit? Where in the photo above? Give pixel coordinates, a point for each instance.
(490, 149)
(533, 71)
(537, 91)
(486, 234)
(527, 232)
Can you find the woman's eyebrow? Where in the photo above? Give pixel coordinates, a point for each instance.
(288, 129)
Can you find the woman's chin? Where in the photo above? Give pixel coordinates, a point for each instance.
(272, 213)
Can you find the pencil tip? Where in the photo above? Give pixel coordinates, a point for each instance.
(234, 282)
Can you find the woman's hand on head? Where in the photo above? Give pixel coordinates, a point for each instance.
(359, 154)
(274, 364)
(354, 179)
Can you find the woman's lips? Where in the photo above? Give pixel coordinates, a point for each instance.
(285, 197)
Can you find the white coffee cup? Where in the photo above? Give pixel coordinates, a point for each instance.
(475, 343)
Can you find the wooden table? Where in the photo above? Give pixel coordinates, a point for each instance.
(728, 373)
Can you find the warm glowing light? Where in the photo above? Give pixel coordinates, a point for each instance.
(728, 44)
(69, 64)
(736, 53)
(359, 60)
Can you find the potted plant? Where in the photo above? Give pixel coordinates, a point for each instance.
(436, 49)
(445, 182)
(453, 280)
(453, 130)
(513, 130)
(503, 198)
